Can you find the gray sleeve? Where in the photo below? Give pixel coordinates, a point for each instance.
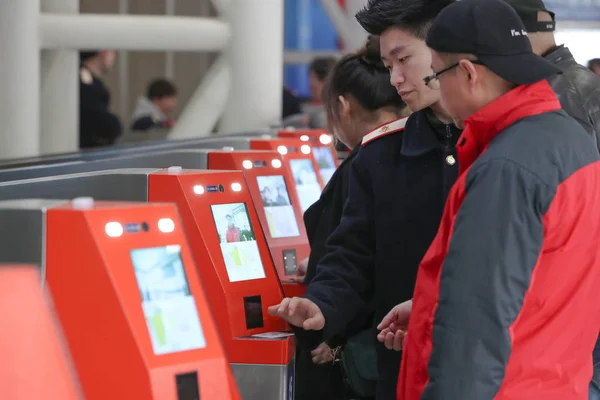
(593, 108)
(495, 245)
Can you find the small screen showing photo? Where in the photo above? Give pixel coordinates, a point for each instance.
(275, 197)
(169, 307)
(307, 183)
(238, 242)
(325, 162)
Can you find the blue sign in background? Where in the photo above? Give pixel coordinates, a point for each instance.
(574, 10)
(307, 28)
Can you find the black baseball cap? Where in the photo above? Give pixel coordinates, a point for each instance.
(493, 32)
(528, 11)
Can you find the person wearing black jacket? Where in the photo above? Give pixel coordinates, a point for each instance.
(397, 187)
(98, 126)
(358, 99)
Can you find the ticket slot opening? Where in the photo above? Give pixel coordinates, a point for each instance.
(253, 312)
(187, 386)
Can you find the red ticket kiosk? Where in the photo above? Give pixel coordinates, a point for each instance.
(235, 265)
(128, 297)
(270, 185)
(35, 361)
(299, 158)
(323, 148)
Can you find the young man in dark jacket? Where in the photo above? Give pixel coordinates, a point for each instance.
(398, 184)
(505, 304)
(577, 88)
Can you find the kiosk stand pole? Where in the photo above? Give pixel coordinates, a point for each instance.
(59, 119)
(256, 58)
(19, 78)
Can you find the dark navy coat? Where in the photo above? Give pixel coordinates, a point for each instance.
(97, 125)
(398, 184)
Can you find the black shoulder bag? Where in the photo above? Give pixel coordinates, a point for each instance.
(358, 359)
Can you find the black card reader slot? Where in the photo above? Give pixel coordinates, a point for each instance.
(187, 386)
(253, 312)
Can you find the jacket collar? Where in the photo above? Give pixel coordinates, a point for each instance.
(561, 57)
(383, 130)
(489, 121)
(420, 137)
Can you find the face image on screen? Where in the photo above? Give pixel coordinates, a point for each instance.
(325, 162)
(278, 208)
(238, 243)
(169, 307)
(307, 184)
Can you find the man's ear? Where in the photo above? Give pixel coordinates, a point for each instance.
(469, 70)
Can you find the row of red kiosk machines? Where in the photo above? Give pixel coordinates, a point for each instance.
(165, 299)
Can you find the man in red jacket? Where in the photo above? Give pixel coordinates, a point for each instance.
(506, 301)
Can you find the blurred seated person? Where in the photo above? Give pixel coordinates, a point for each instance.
(358, 99)
(291, 103)
(291, 113)
(318, 70)
(156, 109)
(98, 126)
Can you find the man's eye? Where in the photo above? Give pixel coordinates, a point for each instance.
(403, 59)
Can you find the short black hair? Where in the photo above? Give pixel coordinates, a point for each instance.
(86, 55)
(160, 88)
(594, 63)
(415, 16)
(321, 66)
(362, 76)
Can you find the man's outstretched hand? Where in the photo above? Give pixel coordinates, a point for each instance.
(299, 312)
(394, 325)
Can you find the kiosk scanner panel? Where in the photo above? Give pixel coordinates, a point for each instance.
(35, 360)
(137, 321)
(238, 273)
(272, 189)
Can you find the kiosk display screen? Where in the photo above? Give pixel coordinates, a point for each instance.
(169, 307)
(307, 184)
(278, 208)
(238, 242)
(325, 162)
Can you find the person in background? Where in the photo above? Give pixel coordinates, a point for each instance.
(98, 126)
(317, 73)
(506, 305)
(291, 104)
(156, 109)
(594, 66)
(358, 99)
(318, 70)
(577, 88)
(397, 186)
